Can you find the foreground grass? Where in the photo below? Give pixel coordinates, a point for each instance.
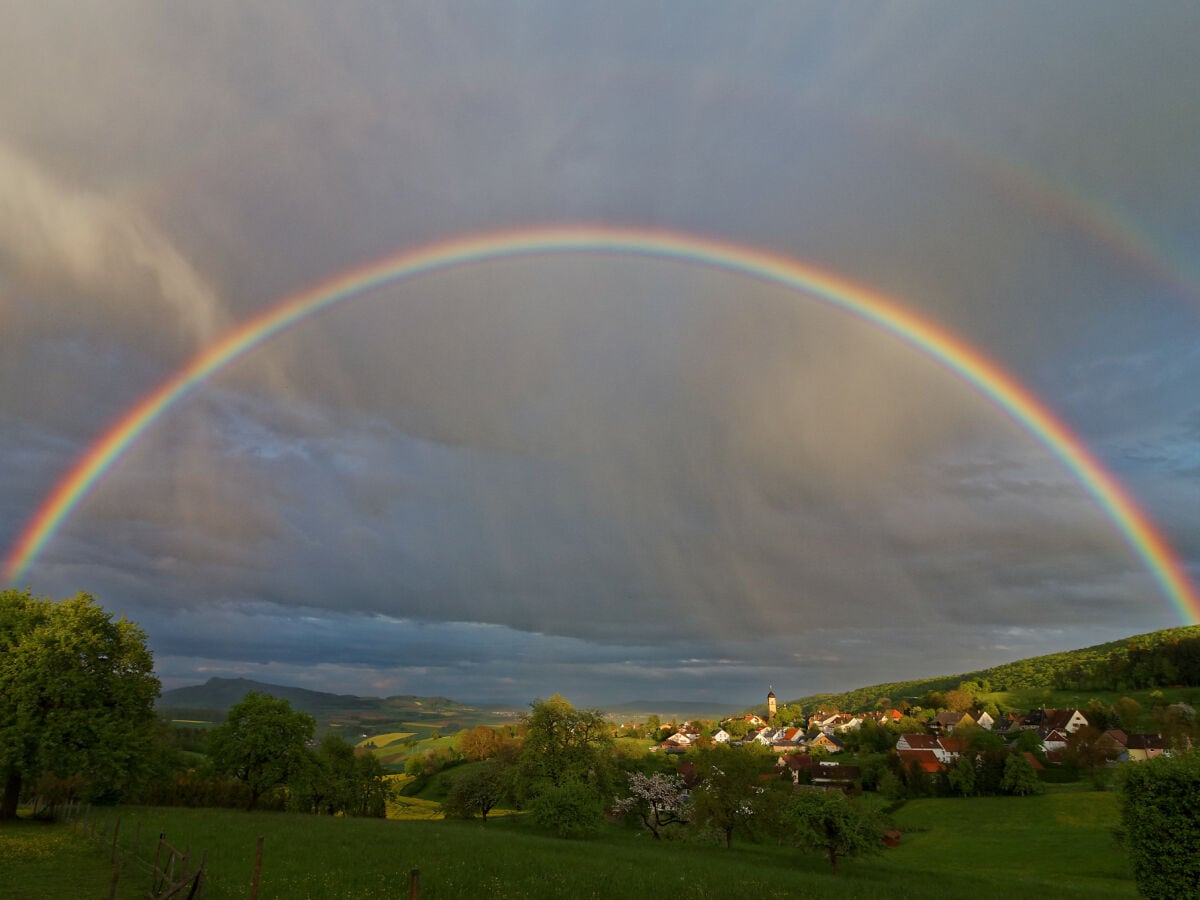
(1058, 844)
(42, 861)
(1062, 841)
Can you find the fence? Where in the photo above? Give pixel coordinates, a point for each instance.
(173, 873)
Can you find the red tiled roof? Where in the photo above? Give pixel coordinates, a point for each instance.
(923, 758)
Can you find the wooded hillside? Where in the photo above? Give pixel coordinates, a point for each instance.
(1158, 659)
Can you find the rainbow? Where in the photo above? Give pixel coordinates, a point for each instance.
(948, 349)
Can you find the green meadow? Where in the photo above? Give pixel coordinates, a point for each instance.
(1059, 843)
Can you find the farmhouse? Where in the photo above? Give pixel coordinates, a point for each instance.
(1141, 747)
(929, 751)
(835, 776)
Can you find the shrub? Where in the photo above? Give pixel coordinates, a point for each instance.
(570, 810)
(1160, 821)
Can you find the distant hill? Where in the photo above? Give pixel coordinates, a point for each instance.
(222, 694)
(666, 710)
(218, 695)
(213, 699)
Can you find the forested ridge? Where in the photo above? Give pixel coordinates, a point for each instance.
(1159, 659)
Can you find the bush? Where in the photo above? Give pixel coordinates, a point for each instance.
(1160, 822)
(570, 810)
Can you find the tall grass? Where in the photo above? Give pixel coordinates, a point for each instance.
(1058, 844)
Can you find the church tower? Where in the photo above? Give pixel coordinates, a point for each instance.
(770, 705)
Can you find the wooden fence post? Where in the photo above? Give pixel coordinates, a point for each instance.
(154, 881)
(414, 884)
(257, 869)
(198, 882)
(116, 830)
(112, 888)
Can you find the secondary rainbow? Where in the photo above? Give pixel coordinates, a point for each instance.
(948, 349)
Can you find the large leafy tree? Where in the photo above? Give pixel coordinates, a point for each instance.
(727, 798)
(478, 790)
(337, 778)
(262, 743)
(832, 822)
(564, 744)
(564, 768)
(481, 742)
(1019, 776)
(77, 694)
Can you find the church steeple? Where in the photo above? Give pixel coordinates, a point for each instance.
(770, 704)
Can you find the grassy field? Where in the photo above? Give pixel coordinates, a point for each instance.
(40, 861)
(1058, 844)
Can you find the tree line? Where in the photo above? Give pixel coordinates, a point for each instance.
(77, 721)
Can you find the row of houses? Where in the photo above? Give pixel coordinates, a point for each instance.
(934, 748)
(788, 739)
(938, 748)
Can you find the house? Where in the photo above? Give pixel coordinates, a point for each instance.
(679, 742)
(848, 723)
(983, 719)
(787, 740)
(834, 723)
(826, 742)
(1053, 740)
(1141, 747)
(946, 722)
(1115, 744)
(750, 719)
(720, 736)
(1007, 724)
(795, 765)
(756, 734)
(823, 721)
(929, 751)
(835, 776)
(1066, 720)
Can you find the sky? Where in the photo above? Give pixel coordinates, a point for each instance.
(607, 474)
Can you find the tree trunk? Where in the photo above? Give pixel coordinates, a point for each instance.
(12, 794)
(833, 860)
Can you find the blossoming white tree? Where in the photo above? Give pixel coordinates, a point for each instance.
(658, 800)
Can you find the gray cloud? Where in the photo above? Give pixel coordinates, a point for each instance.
(598, 470)
(113, 260)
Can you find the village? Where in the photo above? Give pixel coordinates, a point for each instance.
(811, 748)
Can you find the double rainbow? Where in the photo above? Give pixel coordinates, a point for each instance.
(943, 346)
